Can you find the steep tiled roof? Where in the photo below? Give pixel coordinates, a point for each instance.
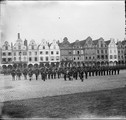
(107, 42)
(82, 42)
(95, 41)
(123, 42)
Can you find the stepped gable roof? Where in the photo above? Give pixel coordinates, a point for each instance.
(107, 42)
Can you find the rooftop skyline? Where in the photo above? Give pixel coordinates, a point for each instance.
(75, 20)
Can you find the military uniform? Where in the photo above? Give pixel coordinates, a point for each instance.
(86, 74)
(25, 72)
(65, 75)
(36, 72)
(13, 73)
(81, 75)
(30, 73)
(19, 74)
(118, 70)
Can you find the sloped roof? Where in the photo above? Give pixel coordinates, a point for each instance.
(95, 41)
(82, 42)
(107, 42)
(123, 42)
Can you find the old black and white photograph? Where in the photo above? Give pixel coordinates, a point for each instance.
(62, 60)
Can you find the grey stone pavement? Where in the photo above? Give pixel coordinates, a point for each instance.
(25, 89)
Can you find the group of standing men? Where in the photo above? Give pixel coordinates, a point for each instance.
(68, 73)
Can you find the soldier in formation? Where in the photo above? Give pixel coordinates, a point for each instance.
(68, 73)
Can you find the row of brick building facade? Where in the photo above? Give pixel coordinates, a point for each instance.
(88, 51)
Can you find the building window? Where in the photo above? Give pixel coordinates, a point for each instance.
(35, 58)
(19, 53)
(52, 58)
(20, 58)
(114, 51)
(47, 52)
(73, 51)
(102, 56)
(101, 45)
(98, 56)
(118, 52)
(122, 51)
(110, 51)
(74, 58)
(106, 56)
(43, 47)
(41, 58)
(115, 57)
(14, 58)
(86, 58)
(52, 52)
(106, 51)
(98, 51)
(6, 48)
(4, 54)
(24, 53)
(81, 51)
(4, 59)
(9, 59)
(119, 57)
(40, 52)
(47, 58)
(57, 52)
(57, 57)
(89, 57)
(14, 53)
(102, 51)
(9, 54)
(35, 53)
(32, 47)
(30, 59)
(29, 53)
(78, 58)
(122, 57)
(70, 52)
(54, 47)
(78, 52)
(110, 56)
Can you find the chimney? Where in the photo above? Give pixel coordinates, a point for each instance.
(11, 45)
(25, 42)
(18, 35)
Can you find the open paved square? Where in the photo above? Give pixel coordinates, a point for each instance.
(25, 89)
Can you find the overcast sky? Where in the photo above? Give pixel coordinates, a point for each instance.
(56, 20)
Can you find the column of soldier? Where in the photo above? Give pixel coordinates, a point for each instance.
(68, 73)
